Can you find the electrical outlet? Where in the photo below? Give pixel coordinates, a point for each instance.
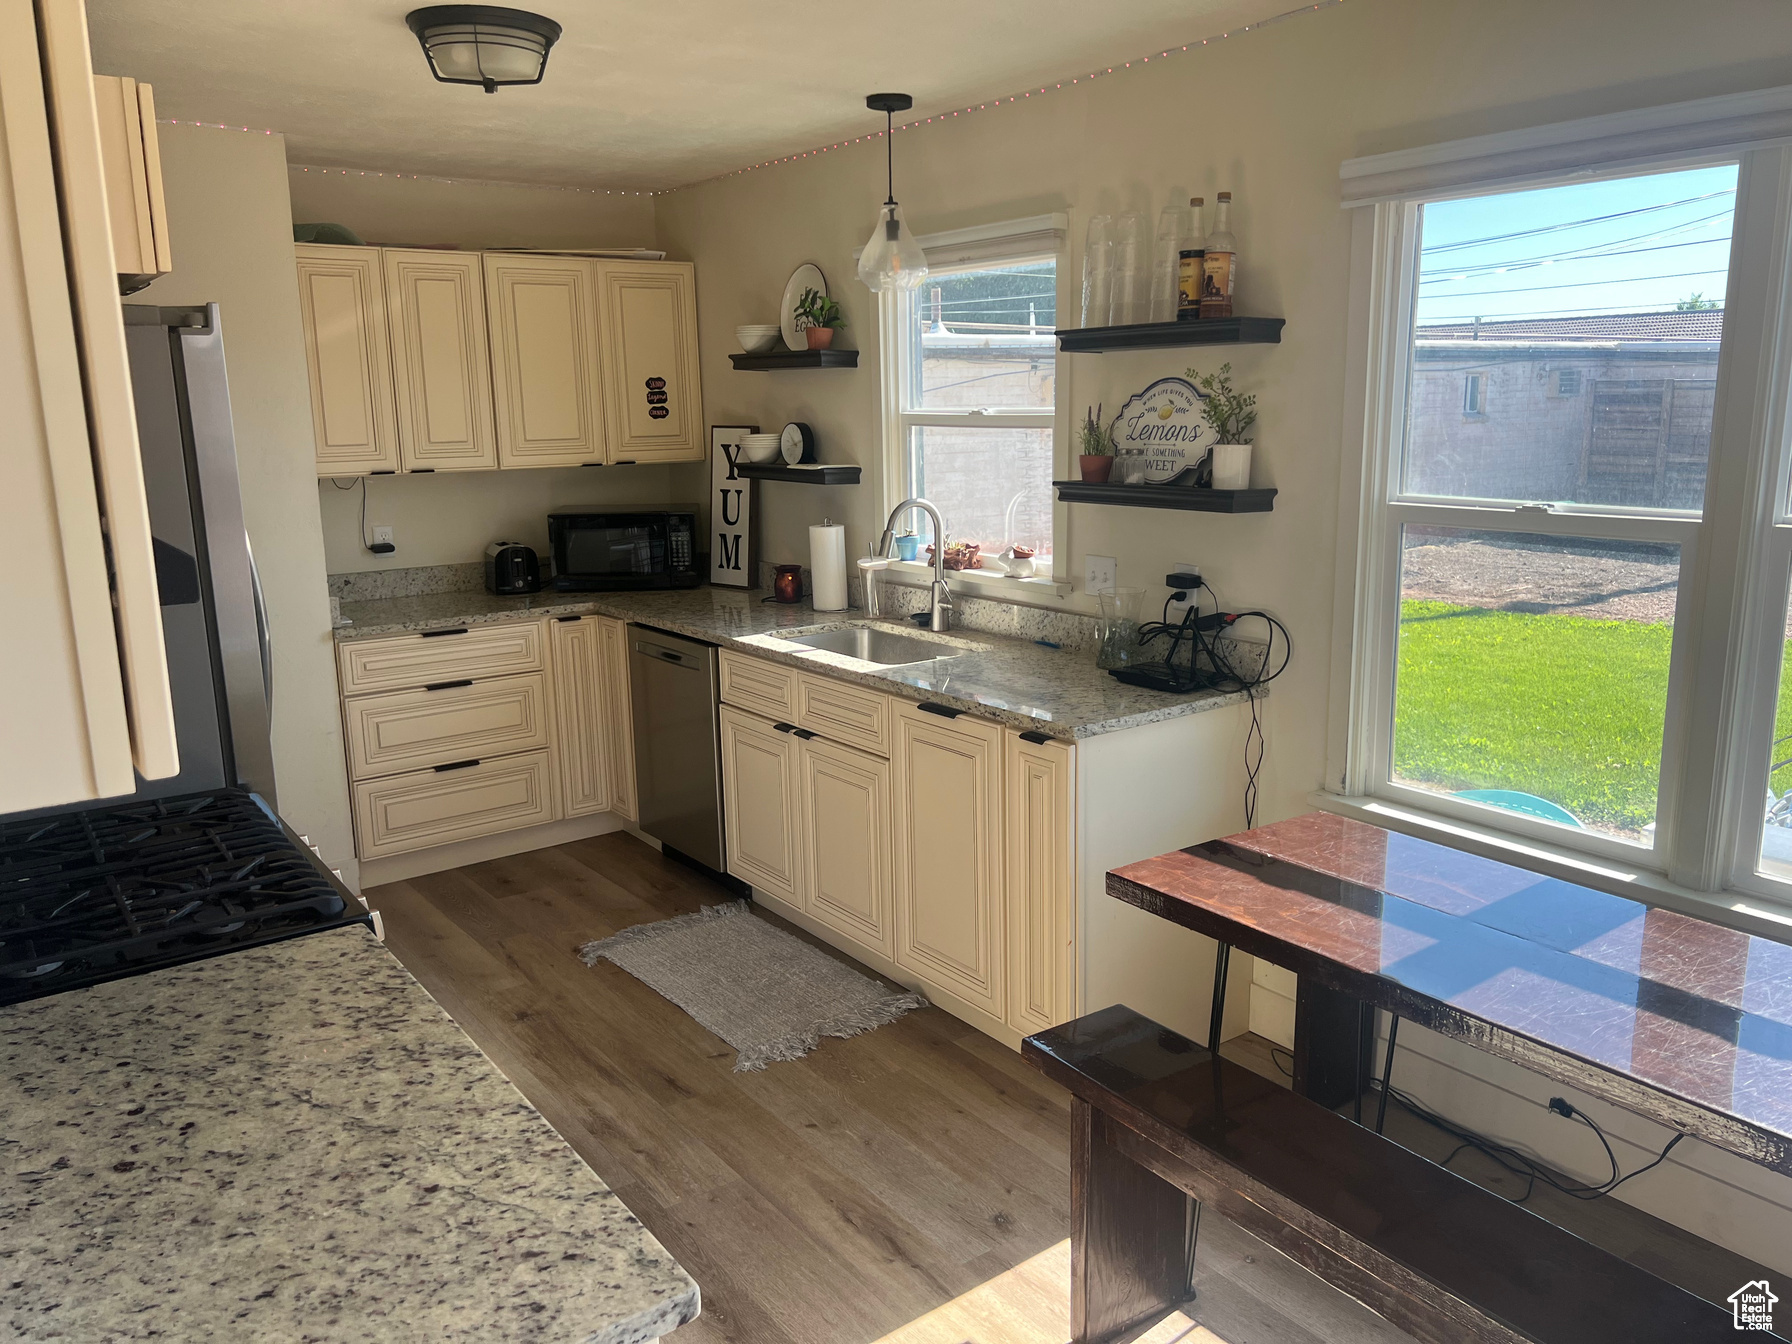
(1187, 567)
(382, 534)
(1101, 574)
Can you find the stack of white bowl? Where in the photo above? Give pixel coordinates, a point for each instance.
(760, 448)
(759, 338)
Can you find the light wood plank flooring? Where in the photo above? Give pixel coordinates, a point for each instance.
(910, 1185)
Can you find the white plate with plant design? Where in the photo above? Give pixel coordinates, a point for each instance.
(806, 276)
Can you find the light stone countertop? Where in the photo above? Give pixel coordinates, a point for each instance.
(1016, 681)
(295, 1143)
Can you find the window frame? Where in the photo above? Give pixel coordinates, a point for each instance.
(1005, 243)
(1736, 561)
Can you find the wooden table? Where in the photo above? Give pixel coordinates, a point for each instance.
(1673, 1018)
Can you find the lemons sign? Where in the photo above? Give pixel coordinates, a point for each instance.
(1164, 425)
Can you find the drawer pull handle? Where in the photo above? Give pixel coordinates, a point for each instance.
(803, 733)
(1038, 739)
(456, 765)
(437, 634)
(447, 685)
(944, 711)
(785, 727)
(569, 618)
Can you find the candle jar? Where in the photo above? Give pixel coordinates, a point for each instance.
(787, 583)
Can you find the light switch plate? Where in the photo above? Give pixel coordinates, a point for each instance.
(1101, 574)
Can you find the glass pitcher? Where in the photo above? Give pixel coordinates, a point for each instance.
(1121, 609)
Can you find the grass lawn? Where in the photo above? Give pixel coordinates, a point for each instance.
(1565, 707)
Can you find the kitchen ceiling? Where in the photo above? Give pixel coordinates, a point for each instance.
(640, 96)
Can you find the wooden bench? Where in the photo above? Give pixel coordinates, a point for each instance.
(1157, 1123)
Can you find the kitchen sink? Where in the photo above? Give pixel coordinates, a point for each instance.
(871, 645)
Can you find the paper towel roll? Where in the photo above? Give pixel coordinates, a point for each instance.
(827, 566)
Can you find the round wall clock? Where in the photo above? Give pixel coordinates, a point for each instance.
(797, 443)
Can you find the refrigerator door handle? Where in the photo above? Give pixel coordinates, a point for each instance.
(261, 629)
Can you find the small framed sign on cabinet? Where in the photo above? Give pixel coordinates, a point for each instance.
(732, 552)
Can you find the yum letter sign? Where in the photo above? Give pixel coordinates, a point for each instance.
(730, 508)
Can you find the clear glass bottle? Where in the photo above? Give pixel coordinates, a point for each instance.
(1132, 269)
(1219, 268)
(1173, 228)
(1190, 260)
(1098, 271)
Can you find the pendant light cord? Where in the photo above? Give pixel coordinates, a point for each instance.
(890, 154)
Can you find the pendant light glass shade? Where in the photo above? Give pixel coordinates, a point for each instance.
(484, 44)
(892, 259)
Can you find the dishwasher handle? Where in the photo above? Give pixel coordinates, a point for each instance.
(665, 655)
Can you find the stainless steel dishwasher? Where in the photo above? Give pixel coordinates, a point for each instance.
(678, 771)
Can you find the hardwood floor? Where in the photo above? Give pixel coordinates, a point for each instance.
(910, 1185)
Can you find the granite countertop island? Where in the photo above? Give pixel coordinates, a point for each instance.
(295, 1143)
(1013, 679)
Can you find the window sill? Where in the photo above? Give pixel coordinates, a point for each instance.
(1042, 590)
(1766, 916)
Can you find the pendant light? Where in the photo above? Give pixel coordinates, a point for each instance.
(892, 259)
(484, 44)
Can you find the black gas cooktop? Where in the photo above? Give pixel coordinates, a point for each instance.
(118, 890)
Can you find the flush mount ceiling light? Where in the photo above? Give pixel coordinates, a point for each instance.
(892, 259)
(484, 44)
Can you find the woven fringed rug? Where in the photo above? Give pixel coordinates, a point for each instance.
(769, 995)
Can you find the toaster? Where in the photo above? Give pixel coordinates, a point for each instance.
(511, 567)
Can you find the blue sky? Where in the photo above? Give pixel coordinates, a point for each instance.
(1668, 239)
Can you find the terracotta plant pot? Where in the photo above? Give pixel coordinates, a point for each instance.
(1095, 468)
(820, 338)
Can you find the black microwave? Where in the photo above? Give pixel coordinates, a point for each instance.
(597, 549)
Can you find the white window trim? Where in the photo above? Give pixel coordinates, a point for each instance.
(1722, 689)
(1040, 235)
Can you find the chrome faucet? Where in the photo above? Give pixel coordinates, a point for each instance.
(939, 615)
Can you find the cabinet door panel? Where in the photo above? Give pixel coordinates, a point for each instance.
(847, 849)
(948, 812)
(619, 716)
(652, 391)
(1040, 788)
(761, 805)
(440, 368)
(581, 724)
(545, 364)
(343, 309)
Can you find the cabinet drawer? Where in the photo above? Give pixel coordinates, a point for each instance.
(447, 655)
(407, 730)
(762, 687)
(850, 714)
(436, 807)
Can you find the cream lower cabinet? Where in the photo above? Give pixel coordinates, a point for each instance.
(1040, 879)
(619, 714)
(762, 803)
(581, 715)
(846, 847)
(950, 918)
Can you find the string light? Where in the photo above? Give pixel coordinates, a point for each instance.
(984, 107)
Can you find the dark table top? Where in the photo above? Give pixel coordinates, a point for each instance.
(1672, 1017)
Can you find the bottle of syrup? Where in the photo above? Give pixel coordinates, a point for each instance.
(1189, 263)
(1219, 265)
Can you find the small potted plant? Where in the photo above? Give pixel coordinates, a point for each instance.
(818, 317)
(1096, 442)
(1229, 413)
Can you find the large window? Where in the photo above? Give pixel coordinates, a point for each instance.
(973, 398)
(1574, 545)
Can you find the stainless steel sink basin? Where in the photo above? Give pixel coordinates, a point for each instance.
(884, 647)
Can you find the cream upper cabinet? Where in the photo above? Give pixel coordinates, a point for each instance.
(653, 395)
(846, 846)
(762, 809)
(619, 714)
(581, 715)
(441, 370)
(949, 897)
(342, 307)
(1040, 788)
(546, 375)
(131, 151)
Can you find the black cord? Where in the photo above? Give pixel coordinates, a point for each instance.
(362, 482)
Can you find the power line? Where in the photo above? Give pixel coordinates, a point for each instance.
(1531, 265)
(1616, 308)
(1575, 224)
(1591, 250)
(1578, 284)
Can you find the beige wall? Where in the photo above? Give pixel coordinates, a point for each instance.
(230, 225)
(1268, 115)
(447, 517)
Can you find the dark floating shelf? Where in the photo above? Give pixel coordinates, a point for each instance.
(777, 471)
(1158, 335)
(1168, 497)
(798, 359)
